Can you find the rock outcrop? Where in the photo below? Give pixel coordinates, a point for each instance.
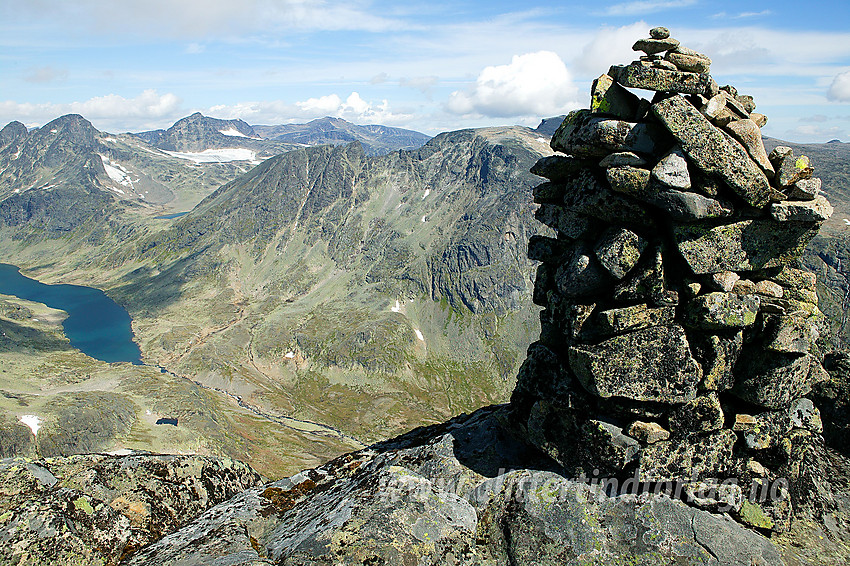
(679, 336)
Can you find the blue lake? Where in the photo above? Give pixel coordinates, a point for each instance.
(171, 216)
(96, 325)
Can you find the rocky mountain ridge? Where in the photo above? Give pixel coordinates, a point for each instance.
(376, 139)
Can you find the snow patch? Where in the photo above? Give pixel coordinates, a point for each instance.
(289, 355)
(113, 140)
(117, 173)
(216, 155)
(53, 131)
(397, 307)
(17, 190)
(543, 140)
(427, 192)
(419, 334)
(121, 452)
(424, 219)
(32, 421)
(846, 221)
(232, 132)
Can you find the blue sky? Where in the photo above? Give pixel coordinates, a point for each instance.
(436, 66)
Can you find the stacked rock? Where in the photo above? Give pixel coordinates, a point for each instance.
(678, 339)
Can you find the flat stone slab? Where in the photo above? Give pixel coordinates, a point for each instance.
(660, 80)
(713, 151)
(742, 246)
(815, 210)
(653, 364)
(584, 134)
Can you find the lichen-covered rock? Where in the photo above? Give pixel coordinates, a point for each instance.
(713, 151)
(580, 274)
(632, 181)
(689, 63)
(607, 97)
(720, 311)
(791, 334)
(98, 509)
(742, 246)
(660, 80)
(568, 223)
(622, 159)
(699, 457)
(648, 433)
(773, 380)
(584, 134)
(557, 168)
(790, 169)
(702, 414)
(672, 170)
(717, 354)
(653, 45)
(749, 134)
(463, 492)
(804, 189)
(618, 251)
(653, 364)
(611, 322)
(817, 209)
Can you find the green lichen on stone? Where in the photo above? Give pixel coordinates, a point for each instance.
(83, 505)
(755, 516)
(5, 516)
(802, 162)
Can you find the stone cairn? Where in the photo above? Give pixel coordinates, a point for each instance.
(679, 336)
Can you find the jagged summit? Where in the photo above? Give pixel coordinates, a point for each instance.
(196, 133)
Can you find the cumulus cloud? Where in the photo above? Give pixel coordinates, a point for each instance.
(101, 110)
(533, 84)
(839, 90)
(353, 108)
(610, 46)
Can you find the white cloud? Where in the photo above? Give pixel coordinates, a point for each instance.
(354, 109)
(101, 110)
(646, 6)
(202, 18)
(812, 132)
(839, 90)
(533, 84)
(611, 46)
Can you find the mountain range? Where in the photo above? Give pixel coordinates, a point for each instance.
(308, 303)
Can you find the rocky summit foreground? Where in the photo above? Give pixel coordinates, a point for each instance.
(665, 416)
